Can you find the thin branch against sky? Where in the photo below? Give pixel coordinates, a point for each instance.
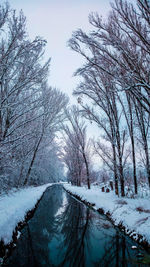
(55, 21)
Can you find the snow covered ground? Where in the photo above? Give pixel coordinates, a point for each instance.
(133, 214)
(14, 206)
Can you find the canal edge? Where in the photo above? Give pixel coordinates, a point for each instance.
(6, 250)
(132, 234)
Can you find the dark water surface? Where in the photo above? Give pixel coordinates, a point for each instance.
(64, 232)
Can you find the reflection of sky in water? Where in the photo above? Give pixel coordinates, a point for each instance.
(65, 233)
(63, 206)
(55, 256)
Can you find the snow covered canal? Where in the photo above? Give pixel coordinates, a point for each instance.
(64, 232)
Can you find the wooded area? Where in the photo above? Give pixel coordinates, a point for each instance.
(30, 110)
(113, 93)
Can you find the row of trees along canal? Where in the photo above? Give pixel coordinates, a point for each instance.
(30, 110)
(114, 93)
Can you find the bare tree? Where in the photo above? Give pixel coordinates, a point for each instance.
(30, 110)
(76, 135)
(53, 104)
(98, 88)
(129, 111)
(117, 60)
(73, 160)
(143, 124)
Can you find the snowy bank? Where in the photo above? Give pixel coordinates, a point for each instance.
(133, 215)
(14, 207)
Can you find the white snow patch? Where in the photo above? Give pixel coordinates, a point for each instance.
(18, 234)
(122, 210)
(134, 247)
(14, 206)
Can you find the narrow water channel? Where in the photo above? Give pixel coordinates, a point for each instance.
(64, 232)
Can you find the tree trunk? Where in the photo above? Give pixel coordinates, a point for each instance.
(134, 165)
(87, 171)
(147, 162)
(115, 170)
(120, 165)
(142, 127)
(32, 161)
(118, 143)
(131, 132)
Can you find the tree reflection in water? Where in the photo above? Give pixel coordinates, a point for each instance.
(91, 240)
(67, 233)
(33, 245)
(76, 222)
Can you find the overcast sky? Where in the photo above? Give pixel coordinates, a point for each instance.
(55, 20)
